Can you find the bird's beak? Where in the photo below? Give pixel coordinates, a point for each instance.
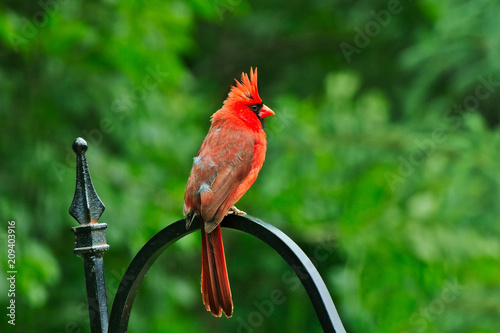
(265, 112)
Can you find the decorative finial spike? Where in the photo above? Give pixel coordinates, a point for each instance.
(80, 146)
(86, 206)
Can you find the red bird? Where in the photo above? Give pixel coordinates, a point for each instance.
(227, 164)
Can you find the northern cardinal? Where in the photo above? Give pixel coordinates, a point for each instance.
(227, 164)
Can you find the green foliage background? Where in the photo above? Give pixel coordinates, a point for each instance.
(382, 157)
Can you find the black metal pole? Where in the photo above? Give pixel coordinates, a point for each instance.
(90, 244)
(90, 239)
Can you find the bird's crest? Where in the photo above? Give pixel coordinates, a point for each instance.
(246, 90)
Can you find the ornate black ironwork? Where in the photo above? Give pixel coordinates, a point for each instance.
(86, 206)
(280, 242)
(90, 239)
(91, 243)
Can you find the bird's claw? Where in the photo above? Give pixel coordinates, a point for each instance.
(235, 211)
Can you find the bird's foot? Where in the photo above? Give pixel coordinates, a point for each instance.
(235, 211)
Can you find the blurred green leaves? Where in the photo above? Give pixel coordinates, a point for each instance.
(390, 161)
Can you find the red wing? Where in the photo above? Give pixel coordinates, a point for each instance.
(223, 162)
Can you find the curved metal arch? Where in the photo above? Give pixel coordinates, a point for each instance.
(279, 241)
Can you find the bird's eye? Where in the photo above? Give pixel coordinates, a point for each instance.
(255, 107)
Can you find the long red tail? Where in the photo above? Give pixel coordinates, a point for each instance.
(214, 281)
